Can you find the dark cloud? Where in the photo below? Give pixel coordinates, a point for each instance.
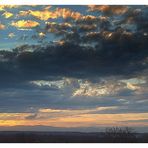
(115, 53)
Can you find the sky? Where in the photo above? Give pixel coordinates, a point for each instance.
(73, 67)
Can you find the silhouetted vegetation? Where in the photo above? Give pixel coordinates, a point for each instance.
(120, 134)
(110, 135)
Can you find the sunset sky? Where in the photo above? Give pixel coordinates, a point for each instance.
(73, 67)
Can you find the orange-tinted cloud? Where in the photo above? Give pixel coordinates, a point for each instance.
(99, 8)
(119, 9)
(67, 13)
(78, 120)
(46, 14)
(109, 9)
(25, 24)
(2, 27)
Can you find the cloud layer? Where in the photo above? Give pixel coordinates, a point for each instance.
(73, 60)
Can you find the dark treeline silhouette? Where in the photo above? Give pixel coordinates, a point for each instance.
(110, 135)
(118, 134)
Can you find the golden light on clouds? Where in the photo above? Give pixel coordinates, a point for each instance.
(23, 13)
(3, 7)
(78, 120)
(43, 15)
(25, 24)
(41, 34)
(7, 14)
(46, 14)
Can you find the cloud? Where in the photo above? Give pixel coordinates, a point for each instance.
(83, 120)
(76, 111)
(23, 13)
(117, 10)
(67, 13)
(54, 84)
(114, 54)
(2, 27)
(11, 35)
(46, 113)
(12, 116)
(29, 117)
(85, 60)
(4, 7)
(25, 24)
(43, 15)
(41, 34)
(7, 14)
(99, 89)
(47, 14)
(58, 28)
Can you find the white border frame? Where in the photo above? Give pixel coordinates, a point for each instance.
(74, 2)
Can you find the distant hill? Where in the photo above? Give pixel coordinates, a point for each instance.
(64, 137)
